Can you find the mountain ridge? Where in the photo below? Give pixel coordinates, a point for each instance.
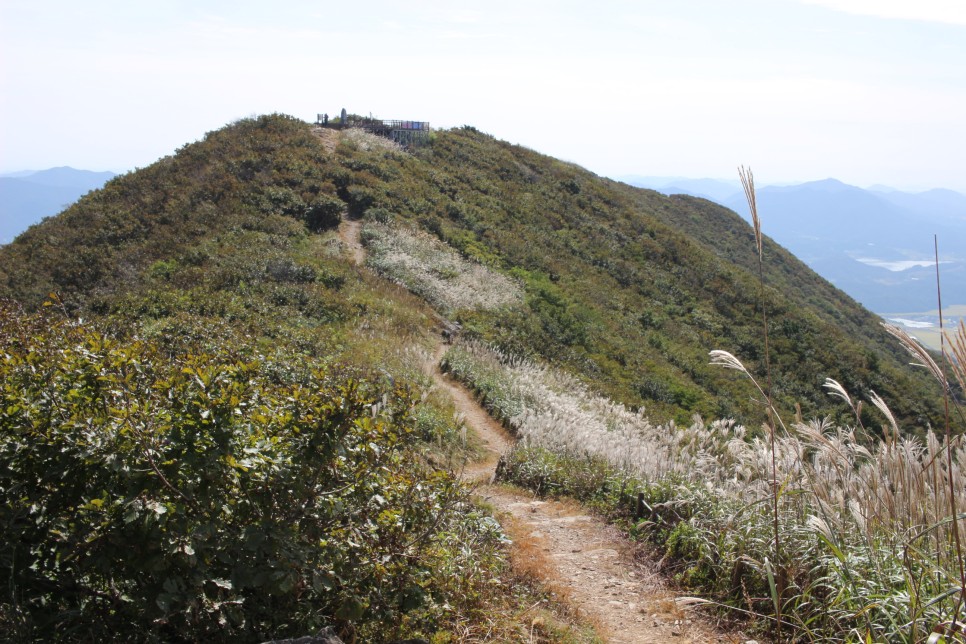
(626, 288)
(27, 197)
(858, 238)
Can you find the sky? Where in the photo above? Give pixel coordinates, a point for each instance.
(866, 91)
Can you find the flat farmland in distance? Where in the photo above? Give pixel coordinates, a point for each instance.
(924, 325)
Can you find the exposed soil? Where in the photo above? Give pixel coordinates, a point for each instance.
(588, 564)
(350, 231)
(329, 138)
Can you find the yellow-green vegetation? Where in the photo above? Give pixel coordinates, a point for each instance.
(199, 492)
(237, 442)
(214, 427)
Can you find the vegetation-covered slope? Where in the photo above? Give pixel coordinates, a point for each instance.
(231, 352)
(626, 288)
(236, 442)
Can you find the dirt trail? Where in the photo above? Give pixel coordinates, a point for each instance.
(350, 232)
(329, 138)
(588, 563)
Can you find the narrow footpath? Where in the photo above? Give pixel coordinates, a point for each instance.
(587, 563)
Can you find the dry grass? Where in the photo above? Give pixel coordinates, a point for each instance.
(532, 567)
(957, 351)
(872, 517)
(367, 141)
(433, 270)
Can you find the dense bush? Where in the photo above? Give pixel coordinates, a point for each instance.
(323, 213)
(199, 496)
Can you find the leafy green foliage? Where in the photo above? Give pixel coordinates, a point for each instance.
(195, 496)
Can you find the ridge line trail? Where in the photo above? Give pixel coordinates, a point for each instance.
(585, 561)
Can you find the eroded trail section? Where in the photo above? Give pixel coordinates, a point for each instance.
(586, 562)
(350, 233)
(495, 439)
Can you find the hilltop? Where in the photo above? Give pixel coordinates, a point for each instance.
(195, 364)
(626, 288)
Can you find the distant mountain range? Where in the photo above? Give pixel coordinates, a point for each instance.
(27, 197)
(875, 244)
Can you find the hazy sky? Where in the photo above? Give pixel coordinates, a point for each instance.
(867, 91)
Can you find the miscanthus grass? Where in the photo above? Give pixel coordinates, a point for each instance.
(434, 270)
(367, 141)
(866, 532)
(550, 409)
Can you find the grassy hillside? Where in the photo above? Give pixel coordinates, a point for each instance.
(213, 426)
(626, 288)
(233, 364)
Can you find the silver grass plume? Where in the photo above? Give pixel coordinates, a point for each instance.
(836, 389)
(957, 343)
(748, 183)
(884, 408)
(724, 359)
(917, 351)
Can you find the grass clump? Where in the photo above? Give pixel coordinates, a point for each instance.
(436, 272)
(866, 539)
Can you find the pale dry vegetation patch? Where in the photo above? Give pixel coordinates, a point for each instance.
(866, 530)
(368, 142)
(550, 409)
(434, 270)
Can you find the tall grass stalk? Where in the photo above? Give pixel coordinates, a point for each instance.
(748, 183)
(949, 464)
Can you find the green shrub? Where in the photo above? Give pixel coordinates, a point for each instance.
(323, 213)
(199, 496)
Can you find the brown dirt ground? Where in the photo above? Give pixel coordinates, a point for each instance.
(349, 232)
